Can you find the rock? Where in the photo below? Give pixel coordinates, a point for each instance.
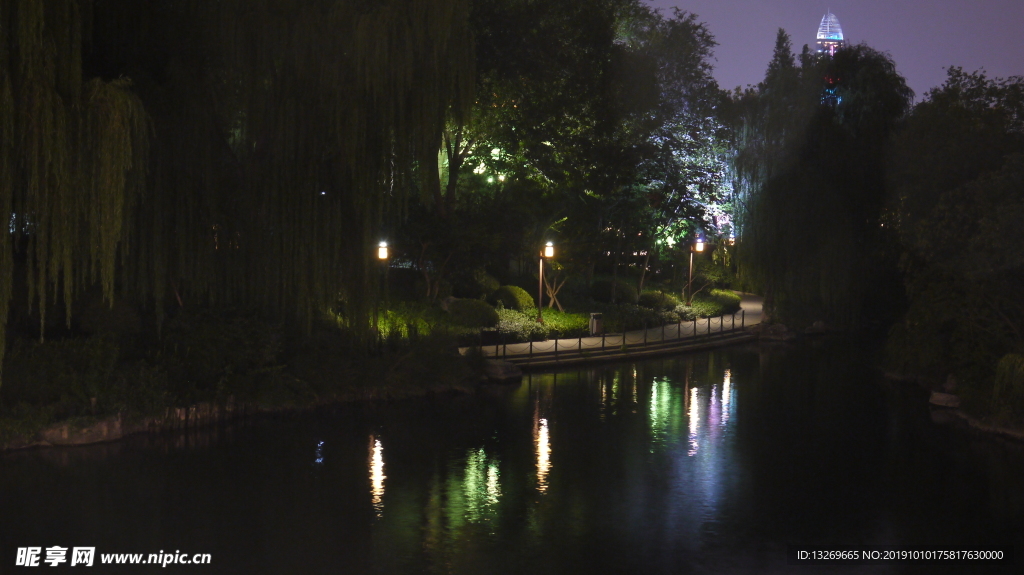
(817, 327)
(502, 371)
(944, 399)
(447, 302)
(950, 385)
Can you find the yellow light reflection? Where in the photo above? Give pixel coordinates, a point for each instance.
(694, 416)
(543, 442)
(377, 476)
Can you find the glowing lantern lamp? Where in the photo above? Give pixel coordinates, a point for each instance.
(382, 251)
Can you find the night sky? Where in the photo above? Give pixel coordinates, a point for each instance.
(922, 36)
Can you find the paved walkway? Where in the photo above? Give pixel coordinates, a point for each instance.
(661, 337)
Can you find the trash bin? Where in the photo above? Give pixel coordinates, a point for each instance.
(596, 324)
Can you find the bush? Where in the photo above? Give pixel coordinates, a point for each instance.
(69, 372)
(208, 352)
(516, 326)
(601, 290)
(477, 284)
(472, 313)
(1009, 383)
(730, 301)
(658, 301)
(715, 303)
(513, 297)
(685, 312)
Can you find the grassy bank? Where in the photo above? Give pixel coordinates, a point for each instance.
(215, 358)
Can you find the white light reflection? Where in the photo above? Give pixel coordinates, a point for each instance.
(543, 442)
(493, 487)
(377, 476)
(319, 453)
(726, 396)
(694, 416)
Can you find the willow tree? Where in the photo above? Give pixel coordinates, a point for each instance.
(72, 158)
(814, 242)
(283, 134)
(249, 163)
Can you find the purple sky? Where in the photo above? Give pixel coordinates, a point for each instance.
(923, 37)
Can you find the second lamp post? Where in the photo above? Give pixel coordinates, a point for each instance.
(697, 247)
(548, 252)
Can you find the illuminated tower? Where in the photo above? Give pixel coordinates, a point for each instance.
(830, 35)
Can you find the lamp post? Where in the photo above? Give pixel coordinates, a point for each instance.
(549, 252)
(697, 247)
(382, 256)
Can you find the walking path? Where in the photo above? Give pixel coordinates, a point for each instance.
(671, 338)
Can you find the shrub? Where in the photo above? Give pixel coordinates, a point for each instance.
(472, 313)
(657, 300)
(476, 284)
(685, 312)
(601, 290)
(730, 301)
(513, 297)
(1009, 384)
(516, 326)
(69, 371)
(714, 304)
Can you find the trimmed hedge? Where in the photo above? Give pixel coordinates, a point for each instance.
(657, 300)
(601, 290)
(472, 313)
(513, 297)
(714, 304)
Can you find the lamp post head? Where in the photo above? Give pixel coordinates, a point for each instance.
(382, 251)
(549, 250)
(699, 246)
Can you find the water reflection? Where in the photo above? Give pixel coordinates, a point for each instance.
(666, 412)
(481, 485)
(377, 476)
(726, 396)
(543, 448)
(669, 484)
(694, 416)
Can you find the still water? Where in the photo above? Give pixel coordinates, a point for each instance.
(705, 463)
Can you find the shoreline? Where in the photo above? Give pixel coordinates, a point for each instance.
(955, 415)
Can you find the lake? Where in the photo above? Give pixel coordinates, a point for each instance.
(712, 462)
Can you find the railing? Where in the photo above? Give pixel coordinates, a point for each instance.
(667, 333)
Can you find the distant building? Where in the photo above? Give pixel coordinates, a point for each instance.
(830, 35)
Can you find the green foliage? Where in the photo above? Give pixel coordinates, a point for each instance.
(67, 372)
(513, 297)
(815, 172)
(472, 313)
(685, 312)
(626, 317)
(730, 301)
(517, 326)
(208, 353)
(1009, 382)
(625, 292)
(486, 283)
(956, 171)
(713, 304)
(658, 300)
